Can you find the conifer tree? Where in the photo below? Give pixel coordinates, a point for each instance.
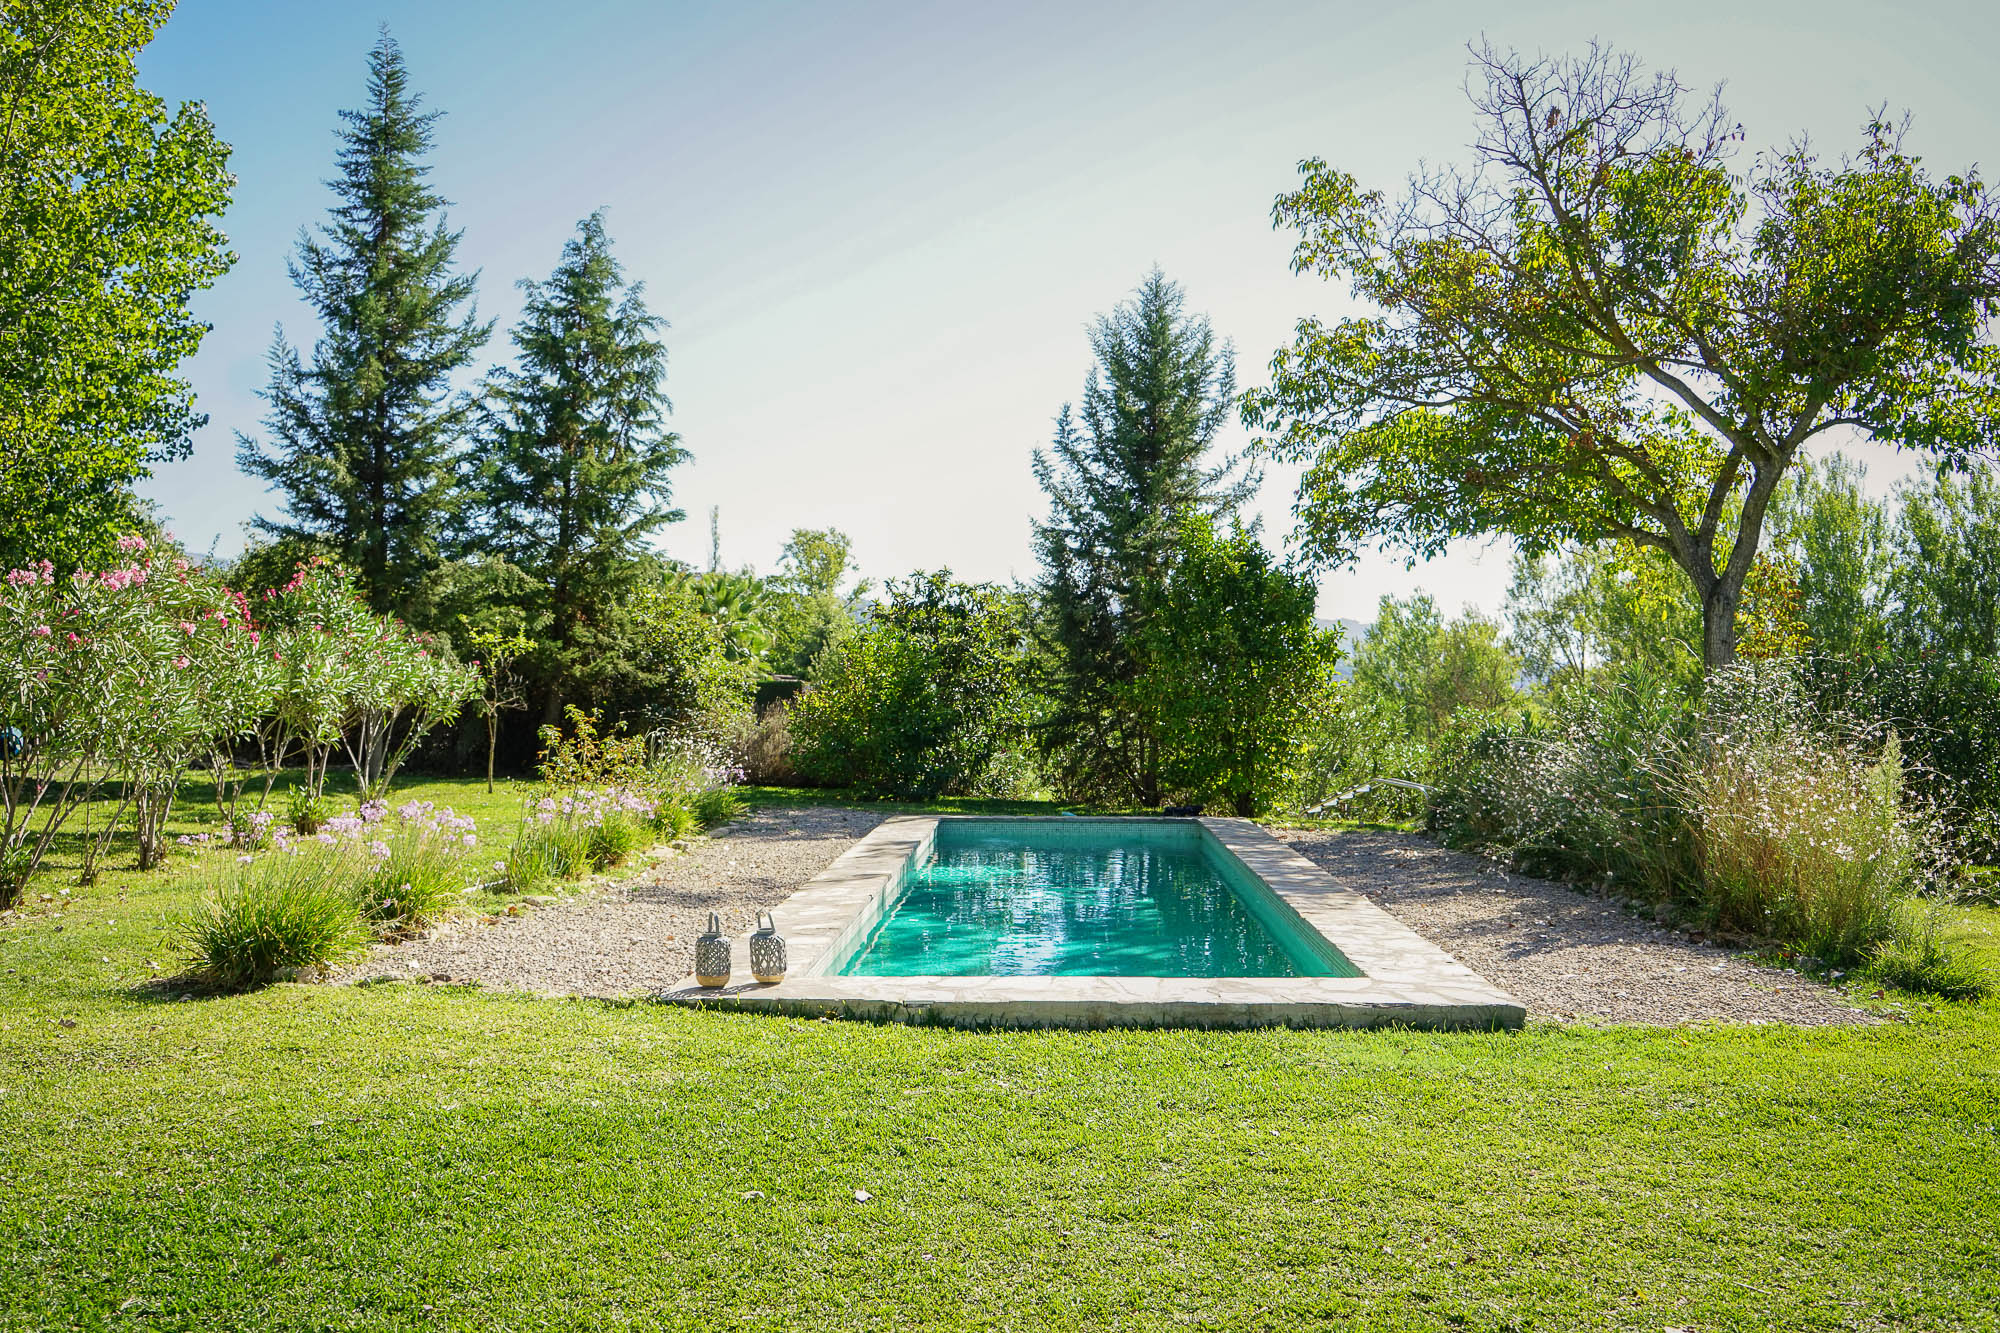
(364, 440)
(1119, 478)
(578, 473)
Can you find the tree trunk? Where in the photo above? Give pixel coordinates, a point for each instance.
(492, 739)
(1718, 623)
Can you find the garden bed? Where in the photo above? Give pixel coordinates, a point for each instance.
(1566, 954)
(635, 932)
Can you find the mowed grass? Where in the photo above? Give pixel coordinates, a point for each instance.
(406, 1156)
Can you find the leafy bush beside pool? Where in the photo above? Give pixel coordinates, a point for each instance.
(1754, 812)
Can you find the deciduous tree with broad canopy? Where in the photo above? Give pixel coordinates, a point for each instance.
(1607, 327)
(108, 208)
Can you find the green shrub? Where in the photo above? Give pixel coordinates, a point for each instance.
(275, 915)
(306, 812)
(921, 702)
(413, 878)
(1588, 793)
(613, 838)
(717, 806)
(674, 820)
(1920, 956)
(547, 847)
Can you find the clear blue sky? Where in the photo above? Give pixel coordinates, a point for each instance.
(879, 230)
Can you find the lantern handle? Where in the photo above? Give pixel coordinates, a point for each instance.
(765, 921)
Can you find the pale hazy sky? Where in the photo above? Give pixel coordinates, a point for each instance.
(879, 230)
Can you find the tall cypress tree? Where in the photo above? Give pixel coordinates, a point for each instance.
(577, 477)
(1118, 480)
(364, 440)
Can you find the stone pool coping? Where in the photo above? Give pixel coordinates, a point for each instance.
(1407, 981)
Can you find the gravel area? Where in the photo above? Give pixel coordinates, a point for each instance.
(635, 934)
(1563, 953)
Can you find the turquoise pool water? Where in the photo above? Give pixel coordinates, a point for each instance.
(1077, 897)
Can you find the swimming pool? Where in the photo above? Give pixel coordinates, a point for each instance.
(1099, 922)
(1071, 898)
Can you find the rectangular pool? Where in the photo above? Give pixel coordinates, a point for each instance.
(1086, 898)
(1097, 922)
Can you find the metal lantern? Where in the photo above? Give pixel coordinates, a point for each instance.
(711, 954)
(767, 951)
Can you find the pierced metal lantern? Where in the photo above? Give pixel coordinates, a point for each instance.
(767, 951)
(711, 954)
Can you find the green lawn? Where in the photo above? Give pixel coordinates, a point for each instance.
(439, 1157)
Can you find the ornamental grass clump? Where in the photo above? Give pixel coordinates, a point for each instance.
(567, 835)
(1802, 828)
(416, 864)
(274, 917)
(717, 806)
(1920, 955)
(1805, 840)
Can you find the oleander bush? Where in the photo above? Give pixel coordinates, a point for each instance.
(115, 681)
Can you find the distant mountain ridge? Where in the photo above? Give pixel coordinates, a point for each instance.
(1352, 633)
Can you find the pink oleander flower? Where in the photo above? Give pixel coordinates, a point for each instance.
(43, 631)
(180, 661)
(187, 627)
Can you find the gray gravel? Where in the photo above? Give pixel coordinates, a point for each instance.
(635, 934)
(1566, 955)
(1563, 953)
